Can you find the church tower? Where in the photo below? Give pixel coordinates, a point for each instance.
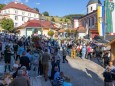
(92, 5)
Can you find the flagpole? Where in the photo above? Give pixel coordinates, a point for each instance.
(105, 21)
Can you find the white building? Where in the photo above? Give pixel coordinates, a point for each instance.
(76, 23)
(92, 5)
(19, 13)
(87, 24)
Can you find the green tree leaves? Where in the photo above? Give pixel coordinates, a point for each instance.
(7, 24)
(52, 19)
(50, 33)
(45, 13)
(1, 6)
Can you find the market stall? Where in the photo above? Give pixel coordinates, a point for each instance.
(112, 44)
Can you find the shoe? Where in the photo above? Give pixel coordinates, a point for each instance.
(39, 76)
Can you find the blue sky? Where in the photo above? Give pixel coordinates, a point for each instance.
(56, 7)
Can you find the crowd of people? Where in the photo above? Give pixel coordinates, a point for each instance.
(89, 50)
(30, 57)
(25, 58)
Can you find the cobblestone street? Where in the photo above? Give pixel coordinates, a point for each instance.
(83, 72)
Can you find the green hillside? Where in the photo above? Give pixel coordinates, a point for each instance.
(65, 19)
(73, 15)
(58, 19)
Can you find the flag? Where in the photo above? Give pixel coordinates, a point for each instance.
(103, 23)
(108, 13)
(99, 20)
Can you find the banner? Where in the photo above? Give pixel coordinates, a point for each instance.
(109, 7)
(99, 20)
(113, 17)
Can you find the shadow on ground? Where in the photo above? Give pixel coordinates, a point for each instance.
(81, 77)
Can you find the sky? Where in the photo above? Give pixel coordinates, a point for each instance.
(56, 7)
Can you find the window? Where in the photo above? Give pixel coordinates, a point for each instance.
(91, 8)
(5, 11)
(16, 17)
(22, 18)
(93, 21)
(34, 15)
(23, 13)
(29, 14)
(28, 18)
(16, 11)
(16, 24)
(8, 11)
(89, 21)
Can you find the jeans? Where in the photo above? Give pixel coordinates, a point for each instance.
(83, 55)
(64, 59)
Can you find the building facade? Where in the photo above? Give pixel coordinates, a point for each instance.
(92, 5)
(90, 20)
(19, 13)
(40, 27)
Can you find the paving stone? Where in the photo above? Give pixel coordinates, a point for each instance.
(83, 72)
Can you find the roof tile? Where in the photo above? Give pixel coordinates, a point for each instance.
(20, 6)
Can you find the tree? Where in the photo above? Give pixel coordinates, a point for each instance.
(73, 15)
(61, 19)
(7, 24)
(36, 9)
(50, 33)
(45, 13)
(53, 19)
(68, 31)
(76, 34)
(1, 6)
(73, 31)
(65, 20)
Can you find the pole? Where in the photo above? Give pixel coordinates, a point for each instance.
(105, 21)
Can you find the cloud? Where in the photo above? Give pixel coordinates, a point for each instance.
(26, 1)
(37, 3)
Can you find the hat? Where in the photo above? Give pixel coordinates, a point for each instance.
(23, 68)
(15, 65)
